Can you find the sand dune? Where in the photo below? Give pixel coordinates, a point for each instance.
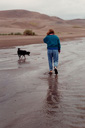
(13, 21)
(19, 20)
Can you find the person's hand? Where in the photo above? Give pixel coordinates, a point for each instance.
(59, 51)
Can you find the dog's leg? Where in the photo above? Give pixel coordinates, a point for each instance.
(24, 57)
(19, 57)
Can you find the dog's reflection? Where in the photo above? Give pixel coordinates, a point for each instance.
(22, 60)
(52, 94)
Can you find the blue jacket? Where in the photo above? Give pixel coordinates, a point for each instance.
(52, 42)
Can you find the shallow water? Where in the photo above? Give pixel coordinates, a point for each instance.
(30, 98)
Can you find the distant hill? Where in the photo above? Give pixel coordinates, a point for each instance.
(26, 14)
(22, 14)
(18, 20)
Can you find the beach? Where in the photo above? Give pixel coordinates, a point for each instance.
(29, 96)
(13, 41)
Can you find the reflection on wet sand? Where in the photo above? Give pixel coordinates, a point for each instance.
(52, 97)
(21, 60)
(30, 98)
(52, 94)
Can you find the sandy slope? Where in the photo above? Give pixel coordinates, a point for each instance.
(20, 20)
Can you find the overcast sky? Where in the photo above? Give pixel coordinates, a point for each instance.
(65, 9)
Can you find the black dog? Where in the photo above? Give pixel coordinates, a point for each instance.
(22, 53)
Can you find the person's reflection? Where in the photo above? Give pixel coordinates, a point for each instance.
(52, 94)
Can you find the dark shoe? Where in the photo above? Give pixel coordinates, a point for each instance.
(50, 72)
(56, 71)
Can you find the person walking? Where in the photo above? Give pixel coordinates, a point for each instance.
(53, 48)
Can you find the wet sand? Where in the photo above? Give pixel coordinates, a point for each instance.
(31, 98)
(12, 41)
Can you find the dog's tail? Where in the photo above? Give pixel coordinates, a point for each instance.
(18, 49)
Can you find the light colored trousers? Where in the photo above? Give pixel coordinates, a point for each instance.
(52, 58)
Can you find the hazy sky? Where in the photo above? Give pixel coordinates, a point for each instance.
(65, 9)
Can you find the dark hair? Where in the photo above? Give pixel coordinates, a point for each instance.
(51, 31)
